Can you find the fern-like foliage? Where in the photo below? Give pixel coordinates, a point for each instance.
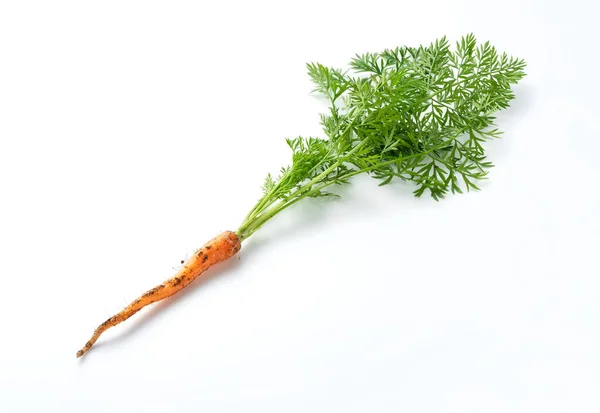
(419, 114)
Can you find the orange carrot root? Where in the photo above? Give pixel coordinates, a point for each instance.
(220, 248)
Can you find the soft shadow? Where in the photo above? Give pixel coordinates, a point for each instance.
(508, 121)
(520, 106)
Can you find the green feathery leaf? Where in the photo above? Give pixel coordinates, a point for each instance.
(419, 114)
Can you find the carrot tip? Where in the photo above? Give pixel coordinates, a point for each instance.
(79, 353)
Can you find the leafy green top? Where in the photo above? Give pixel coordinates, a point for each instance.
(418, 114)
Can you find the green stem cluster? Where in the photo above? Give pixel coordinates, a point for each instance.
(267, 207)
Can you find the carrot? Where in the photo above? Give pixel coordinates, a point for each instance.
(415, 114)
(220, 248)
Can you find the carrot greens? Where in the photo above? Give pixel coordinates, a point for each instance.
(418, 114)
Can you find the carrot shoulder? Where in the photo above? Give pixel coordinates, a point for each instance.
(218, 249)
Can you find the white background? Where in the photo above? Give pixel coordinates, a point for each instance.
(133, 132)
